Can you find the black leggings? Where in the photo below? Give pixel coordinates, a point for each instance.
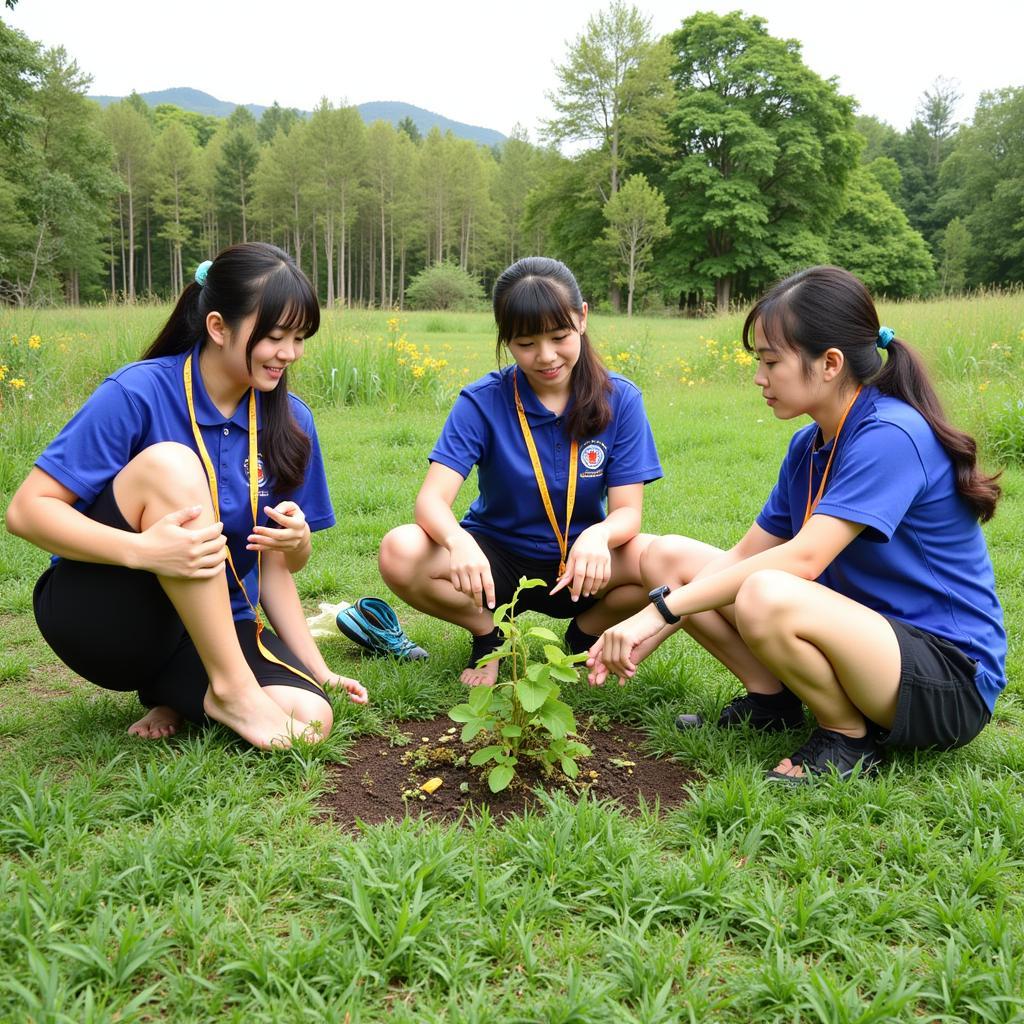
(117, 628)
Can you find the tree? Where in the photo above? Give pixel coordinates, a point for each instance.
(983, 183)
(936, 110)
(234, 175)
(516, 175)
(408, 126)
(761, 150)
(873, 238)
(131, 136)
(954, 250)
(277, 119)
(336, 151)
(636, 220)
(176, 194)
(280, 188)
(613, 89)
(20, 71)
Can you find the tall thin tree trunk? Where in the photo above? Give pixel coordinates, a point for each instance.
(149, 256)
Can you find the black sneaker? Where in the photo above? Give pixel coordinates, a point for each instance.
(826, 752)
(772, 713)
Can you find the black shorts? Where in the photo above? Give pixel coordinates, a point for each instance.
(938, 706)
(507, 567)
(117, 628)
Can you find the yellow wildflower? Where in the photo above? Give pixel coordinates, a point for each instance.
(14, 340)
(983, 386)
(418, 371)
(35, 341)
(3, 371)
(17, 382)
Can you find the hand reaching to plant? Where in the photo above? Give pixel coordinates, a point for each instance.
(621, 648)
(589, 567)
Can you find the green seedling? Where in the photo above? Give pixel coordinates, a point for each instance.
(523, 713)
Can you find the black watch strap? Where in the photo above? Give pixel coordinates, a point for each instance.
(657, 596)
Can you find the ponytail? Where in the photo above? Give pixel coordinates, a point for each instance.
(248, 278)
(537, 295)
(828, 307)
(904, 376)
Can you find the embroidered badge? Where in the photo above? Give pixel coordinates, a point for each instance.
(261, 476)
(592, 457)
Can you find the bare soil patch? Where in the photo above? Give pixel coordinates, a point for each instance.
(385, 774)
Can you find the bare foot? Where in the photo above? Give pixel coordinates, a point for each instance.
(486, 676)
(157, 724)
(786, 767)
(249, 712)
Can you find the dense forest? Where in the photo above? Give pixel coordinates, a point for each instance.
(709, 162)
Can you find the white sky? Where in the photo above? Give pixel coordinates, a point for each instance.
(490, 64)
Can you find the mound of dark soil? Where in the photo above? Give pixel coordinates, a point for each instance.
(385, 773)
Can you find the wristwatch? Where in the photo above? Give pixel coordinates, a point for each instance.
(657, 596)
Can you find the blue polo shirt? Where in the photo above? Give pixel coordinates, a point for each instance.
(483, 430)
(143, 404)
(921, 557)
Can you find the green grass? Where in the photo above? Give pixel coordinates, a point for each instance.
(195, 880)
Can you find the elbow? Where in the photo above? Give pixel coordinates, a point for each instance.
(807, 564)
(14, 519)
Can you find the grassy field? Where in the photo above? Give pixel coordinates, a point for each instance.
(194, 880)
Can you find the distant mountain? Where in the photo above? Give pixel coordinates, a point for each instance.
(203, 103)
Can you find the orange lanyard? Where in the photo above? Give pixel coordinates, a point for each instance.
(811, 506)
(211, 479)
(542, 486)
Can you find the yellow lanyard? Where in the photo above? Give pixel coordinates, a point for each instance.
(811, 506)
(211, 479)
(542, 486)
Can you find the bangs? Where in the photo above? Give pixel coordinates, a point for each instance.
(776, 321)
(286, 300)
(535, 305)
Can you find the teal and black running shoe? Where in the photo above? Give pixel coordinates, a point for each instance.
(373, 625)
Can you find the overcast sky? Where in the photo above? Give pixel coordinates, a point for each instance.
(491, 64)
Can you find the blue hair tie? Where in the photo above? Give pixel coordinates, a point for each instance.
(201, 271)
(885, 335)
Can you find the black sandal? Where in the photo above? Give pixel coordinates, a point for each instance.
(826, 752)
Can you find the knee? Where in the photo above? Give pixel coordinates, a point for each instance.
(312, 710)
(167, 465)
(669, 559)
(763, 605)
(401, 551)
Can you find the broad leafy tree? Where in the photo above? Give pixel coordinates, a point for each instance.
(984, 184)
(762, 147)
(873, 238)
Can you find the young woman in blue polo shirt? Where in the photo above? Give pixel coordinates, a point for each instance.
(563, 451)
(180, 497)
(864, 589)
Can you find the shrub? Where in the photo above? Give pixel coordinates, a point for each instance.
(445, 286)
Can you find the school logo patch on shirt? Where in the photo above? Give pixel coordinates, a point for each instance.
(592, 457)
(261, 476)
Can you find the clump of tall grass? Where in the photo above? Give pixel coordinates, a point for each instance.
(348, 364)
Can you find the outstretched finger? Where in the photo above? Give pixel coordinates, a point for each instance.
(489, 588)
(563, 580)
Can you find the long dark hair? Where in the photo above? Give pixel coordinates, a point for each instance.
(828, 307)
(537, 295)
(252, 277)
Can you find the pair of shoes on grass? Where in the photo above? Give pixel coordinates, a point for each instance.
(825, 752)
